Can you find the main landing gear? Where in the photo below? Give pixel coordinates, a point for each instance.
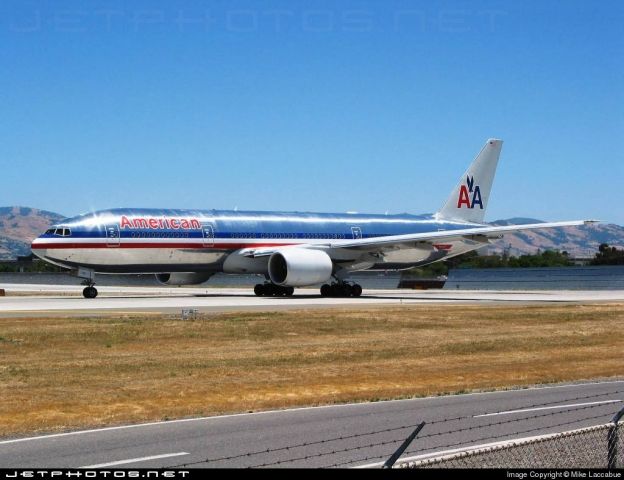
(341, 289)
(272, 290)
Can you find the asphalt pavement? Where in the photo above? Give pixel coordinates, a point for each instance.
(351, 435)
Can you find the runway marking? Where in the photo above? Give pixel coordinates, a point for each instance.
(554, 407)
(234, 415)
(136, 460)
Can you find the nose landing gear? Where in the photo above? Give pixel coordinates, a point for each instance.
(88, 277)
(90, 292)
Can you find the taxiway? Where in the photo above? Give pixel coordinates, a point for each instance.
(45, 299)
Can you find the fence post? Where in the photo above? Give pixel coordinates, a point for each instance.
(395, 456)
(612, 438)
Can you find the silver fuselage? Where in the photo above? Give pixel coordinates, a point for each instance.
(155, 241)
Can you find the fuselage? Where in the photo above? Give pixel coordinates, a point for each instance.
(155, 241)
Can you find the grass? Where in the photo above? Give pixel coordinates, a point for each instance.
(67, 373)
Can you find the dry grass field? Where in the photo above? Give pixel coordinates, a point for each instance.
(67, 373)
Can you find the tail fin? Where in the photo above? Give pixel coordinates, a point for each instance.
(469, 199)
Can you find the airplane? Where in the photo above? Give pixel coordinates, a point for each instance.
(291, 249)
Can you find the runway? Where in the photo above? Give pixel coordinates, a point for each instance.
(364, 434)
(27, 299)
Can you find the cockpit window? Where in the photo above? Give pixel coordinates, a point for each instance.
(50, 231)
(61, 232)
(66, 232)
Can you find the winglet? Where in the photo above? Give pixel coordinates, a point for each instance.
(469, 199)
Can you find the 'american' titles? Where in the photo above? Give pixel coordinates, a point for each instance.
(160, 223)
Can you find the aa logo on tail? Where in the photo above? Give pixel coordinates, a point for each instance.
(469, 195)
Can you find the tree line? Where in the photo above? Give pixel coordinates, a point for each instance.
(606, 255)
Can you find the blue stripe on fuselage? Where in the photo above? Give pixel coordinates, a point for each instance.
(228, 224)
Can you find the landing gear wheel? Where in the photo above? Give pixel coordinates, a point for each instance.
(341, 290)
(272, 290)
(90, 292)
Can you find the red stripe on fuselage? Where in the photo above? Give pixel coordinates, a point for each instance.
(232, 246)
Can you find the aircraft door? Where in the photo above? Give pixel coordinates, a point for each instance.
(208, 234)
(357, 233)
(112, 235)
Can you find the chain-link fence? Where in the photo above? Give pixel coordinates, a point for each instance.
(583, 448)
(461, 440)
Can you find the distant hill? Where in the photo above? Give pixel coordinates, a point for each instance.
(580, 242)
(19, 226)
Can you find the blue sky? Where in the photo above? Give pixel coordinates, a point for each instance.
(368, 106)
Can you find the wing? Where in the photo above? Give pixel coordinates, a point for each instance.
(488, 232)
(396, 241)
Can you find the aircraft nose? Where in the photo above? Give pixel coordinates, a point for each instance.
(37, 247)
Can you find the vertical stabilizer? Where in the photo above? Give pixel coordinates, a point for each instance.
(469, 199)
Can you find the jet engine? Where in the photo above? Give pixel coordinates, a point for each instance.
(182, 278)
(298, 267)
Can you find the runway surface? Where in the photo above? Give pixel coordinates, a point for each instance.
(335, 436)
(67, 299)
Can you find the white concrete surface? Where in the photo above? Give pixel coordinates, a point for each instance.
(53, 298)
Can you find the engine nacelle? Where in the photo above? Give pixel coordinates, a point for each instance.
(298, 267)
(182, 278)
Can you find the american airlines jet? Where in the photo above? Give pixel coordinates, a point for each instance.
(291, 249)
